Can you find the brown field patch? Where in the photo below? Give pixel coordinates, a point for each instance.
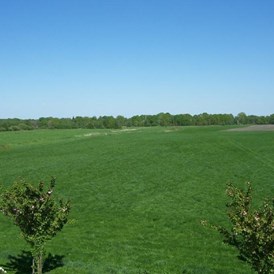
(254, 128)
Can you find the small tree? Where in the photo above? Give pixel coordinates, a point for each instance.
(252, 231)
(37, 214)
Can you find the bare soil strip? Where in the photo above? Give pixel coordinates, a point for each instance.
(254, 128)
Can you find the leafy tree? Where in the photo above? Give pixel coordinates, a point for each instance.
(252, 231)
(53, 123)
(37, 214)
(271, 119)
(150, 120)
(160, 119)
(136, 121)
(165, 119)
(241, 118)
(202, 119)
(42, 122)
(182, 120)
(121, 121)
(109, 122)
(24, 126)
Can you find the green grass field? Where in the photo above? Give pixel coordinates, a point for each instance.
(138, 196)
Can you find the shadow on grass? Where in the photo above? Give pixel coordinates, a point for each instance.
(22, 263)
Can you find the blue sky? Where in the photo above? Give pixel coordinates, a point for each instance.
(66, 58)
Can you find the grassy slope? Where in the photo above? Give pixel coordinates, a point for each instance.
(138, 196)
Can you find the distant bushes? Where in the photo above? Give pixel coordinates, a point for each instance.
(161, 119)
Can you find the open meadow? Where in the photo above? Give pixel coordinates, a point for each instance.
(138, 195)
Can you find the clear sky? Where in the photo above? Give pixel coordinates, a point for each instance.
(67, 58)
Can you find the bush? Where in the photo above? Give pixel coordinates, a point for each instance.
(252, 231)
(37, 214)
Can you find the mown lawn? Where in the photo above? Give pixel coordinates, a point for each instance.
(138, 196)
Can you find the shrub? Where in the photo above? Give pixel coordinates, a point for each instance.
(36, 213)
(252, 231)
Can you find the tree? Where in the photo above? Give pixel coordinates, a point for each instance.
(165, 119)
(120, 121)
(37, 214)
(182, 120)
(252, 231)
(241, 118)
(271, 119)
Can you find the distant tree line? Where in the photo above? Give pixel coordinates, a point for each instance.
(161, 119)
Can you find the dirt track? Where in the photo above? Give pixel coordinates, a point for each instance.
(254, 128)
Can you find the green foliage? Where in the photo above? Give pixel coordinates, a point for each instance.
(252, 231)
(110, 122)
(36, 213)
